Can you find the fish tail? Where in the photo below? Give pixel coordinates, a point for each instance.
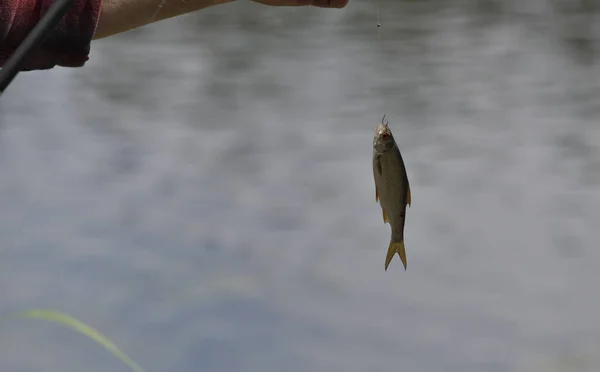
(396, 247)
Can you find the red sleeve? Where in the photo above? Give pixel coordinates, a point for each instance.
(68, 45)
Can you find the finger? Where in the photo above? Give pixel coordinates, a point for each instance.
(284, 2)
(330, 3)
(319, 3)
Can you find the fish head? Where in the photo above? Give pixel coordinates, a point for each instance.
(383, 140)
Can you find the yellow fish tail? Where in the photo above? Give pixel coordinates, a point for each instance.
(396, 247)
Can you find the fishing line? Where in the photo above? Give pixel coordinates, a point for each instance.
(378, 23)
(21, 224)
(27, 210)
(16, 63)
(379, 27)
(158, 8)
(380, 41)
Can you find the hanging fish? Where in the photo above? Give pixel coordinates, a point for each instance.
(392, 189)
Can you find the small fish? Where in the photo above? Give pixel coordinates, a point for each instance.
(392, 189)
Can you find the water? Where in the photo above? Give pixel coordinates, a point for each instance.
(201, 192)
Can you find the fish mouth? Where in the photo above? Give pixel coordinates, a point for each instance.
(382, 126)
(381, 129)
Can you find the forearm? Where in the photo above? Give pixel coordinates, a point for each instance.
(69, 44)
(122, 15)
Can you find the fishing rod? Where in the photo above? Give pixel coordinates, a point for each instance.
(35, 37)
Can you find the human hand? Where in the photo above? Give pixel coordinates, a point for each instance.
(319, 3)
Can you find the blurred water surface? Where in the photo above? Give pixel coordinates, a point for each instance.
(201, 192)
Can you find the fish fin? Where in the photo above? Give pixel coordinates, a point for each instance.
(396, 247)
(385, 217)
(408, 201)
(378, 164)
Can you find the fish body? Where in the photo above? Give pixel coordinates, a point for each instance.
(392, 188)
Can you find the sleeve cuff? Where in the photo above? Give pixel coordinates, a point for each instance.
(68, 45)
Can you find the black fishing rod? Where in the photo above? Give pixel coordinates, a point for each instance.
(39, 33)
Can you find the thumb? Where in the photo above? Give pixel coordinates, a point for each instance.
(319, 3)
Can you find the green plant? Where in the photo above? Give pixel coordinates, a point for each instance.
(86, 330)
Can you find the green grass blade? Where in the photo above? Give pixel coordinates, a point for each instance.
(69, 321)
